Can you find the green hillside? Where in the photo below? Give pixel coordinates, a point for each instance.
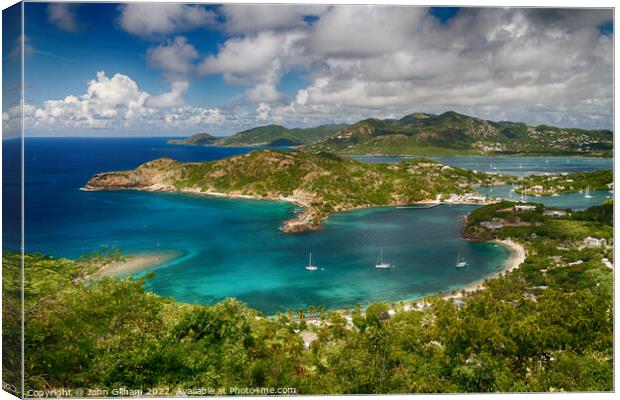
(454, 133)
(198, 139)
(269, 135)
(547, 185)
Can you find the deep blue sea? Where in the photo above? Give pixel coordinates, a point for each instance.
(233, 248)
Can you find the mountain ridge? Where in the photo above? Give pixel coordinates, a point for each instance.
(266, 135)
(452, 133)
(418, 133)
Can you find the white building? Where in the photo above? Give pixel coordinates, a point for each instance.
(475, 199)
(555, 213)
(493, 225)
(537, 188)
(594, 242)
(524, 207)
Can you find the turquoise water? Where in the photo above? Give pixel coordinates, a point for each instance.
(265, 268)
(233, 248)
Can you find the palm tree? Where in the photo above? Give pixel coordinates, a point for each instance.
(321, 311)
(289, 314)
(300, 314)
(311, 310)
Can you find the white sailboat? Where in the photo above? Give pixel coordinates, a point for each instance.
(587, 195)
(311, 267)
(380, 263)
(460, 261)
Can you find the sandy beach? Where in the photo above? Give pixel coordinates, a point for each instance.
(517, 257)
(135, 263)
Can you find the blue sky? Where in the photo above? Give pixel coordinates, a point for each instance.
(155, 69)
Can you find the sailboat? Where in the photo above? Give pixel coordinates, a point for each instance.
(311, 267)
(380, 263)
(460, 261)
(587, 195)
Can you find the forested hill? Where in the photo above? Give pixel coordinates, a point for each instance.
(454, 133)
(423, 134)
(322, 183)
(269, 135)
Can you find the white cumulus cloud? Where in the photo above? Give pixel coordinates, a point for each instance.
(174, 58)
(117, 103)
(152, 20)
(533, 65)
(173, 98)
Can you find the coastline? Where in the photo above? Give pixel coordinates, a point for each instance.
(517, 257)
(518, 254)
(134, 263)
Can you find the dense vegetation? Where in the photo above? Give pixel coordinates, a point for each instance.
(269, 135)
(546, 326)
(453, 133)
(265, 135)
(197, 139)
(573, 227)
(549, 184)
(449, 133)
(323, 183)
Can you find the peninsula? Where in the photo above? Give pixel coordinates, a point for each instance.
(320, 183)
(554, 184)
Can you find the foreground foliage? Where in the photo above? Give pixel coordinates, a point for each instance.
(546, 326)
